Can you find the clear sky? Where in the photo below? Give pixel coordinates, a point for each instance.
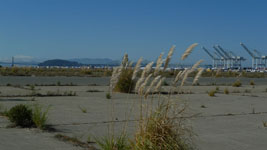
(107, 29)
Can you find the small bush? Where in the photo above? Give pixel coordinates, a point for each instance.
(125, 83)
(40, 117)
(212, 93)
(113, 143)
(252, 83)
(21, 115)
(264, 124)
(226, 91)
(237, 83)
(217, 88)
(108, 96)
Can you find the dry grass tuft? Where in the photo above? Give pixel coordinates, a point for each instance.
(137, 68)
(198, 76)
(212, 93)
(158, 64)
(188, 51)
(169, 57)
(237, 83)
(160, 131)
(226, 91)
(161, 126)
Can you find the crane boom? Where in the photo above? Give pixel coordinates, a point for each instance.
(217, 54)
(249, 52)
(232, 53)
(208, 52)
(216, 49)
(224, 52)
(257, 52)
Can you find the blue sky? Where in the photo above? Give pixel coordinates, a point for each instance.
(107, 29)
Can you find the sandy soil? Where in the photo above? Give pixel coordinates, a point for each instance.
(233, 121)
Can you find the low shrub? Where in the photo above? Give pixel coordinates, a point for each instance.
(252, 82)
(226, 91)
(108, 96)
(212, 93)
(21, 115)
(237, 83)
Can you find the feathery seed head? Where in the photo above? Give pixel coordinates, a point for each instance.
(158, 65)
(152, 84)
(137, 68)
(158, 86)
(198, 75)
(125, 60)
(169, 57)
(143, 85)
(188, 50)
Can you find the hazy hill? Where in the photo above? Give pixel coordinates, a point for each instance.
(60, 62)
(92, 61)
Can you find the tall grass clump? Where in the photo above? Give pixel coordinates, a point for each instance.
(125, 83)
(160, 131)
(237, 83)
(40, 116)
(122, 77)
(113, 143)
(161, 125)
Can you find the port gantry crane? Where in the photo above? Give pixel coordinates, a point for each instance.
(237, 60)
(263, 58)
(223, 57)
(215, 60)
(221, 60)
(255, 59)
(229, 58)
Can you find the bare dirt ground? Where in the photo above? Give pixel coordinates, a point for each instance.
(233, 121)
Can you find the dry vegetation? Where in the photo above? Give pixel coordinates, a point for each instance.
(159, 127)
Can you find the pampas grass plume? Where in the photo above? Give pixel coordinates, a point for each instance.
(158, 65)
(137, 68)
(169, 57)
(198, 75)
(189, 50)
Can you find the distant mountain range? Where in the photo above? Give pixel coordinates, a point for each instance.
(29, 61)
(60, 62)
(79, 62)
(94, 61)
